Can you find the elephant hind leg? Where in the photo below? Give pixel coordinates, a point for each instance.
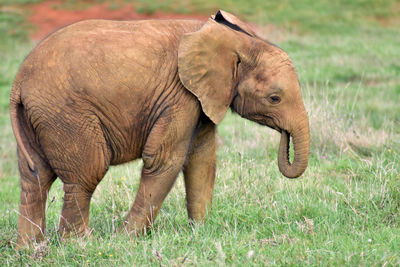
(80, 159)
(33, 196)
(34, 187)
(80, 180)
(75, 211)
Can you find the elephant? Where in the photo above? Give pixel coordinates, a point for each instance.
(99, 93)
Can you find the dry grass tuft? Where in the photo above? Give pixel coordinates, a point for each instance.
(335, 130)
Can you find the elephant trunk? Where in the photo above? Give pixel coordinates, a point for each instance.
(301, 143)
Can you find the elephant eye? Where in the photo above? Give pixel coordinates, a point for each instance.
(274, 99)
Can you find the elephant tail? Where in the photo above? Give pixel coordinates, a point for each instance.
(16, 108)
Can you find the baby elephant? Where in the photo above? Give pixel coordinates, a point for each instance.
(100, 93)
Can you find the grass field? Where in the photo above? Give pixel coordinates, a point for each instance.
(345, 209)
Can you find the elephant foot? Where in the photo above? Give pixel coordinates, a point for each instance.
(66, 233)
(74, 220)
(31, 221)
(131, 227)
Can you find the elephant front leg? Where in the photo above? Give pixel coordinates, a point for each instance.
(154, 187)
(199, 173)
(164, 154)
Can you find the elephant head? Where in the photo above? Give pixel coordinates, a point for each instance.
(225, 64)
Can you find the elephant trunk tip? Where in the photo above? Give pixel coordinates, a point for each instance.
(300, 161)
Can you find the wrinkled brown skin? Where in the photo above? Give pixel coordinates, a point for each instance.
(100, 93)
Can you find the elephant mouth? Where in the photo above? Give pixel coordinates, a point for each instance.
(265, 120)
(300, 141)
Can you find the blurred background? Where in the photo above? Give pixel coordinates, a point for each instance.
(343, 211)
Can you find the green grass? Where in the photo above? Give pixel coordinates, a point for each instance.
(345, 209)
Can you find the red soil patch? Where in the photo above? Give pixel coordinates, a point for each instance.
(47, 19)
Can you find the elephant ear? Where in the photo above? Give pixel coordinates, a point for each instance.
(233, 22)
(208, 63)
